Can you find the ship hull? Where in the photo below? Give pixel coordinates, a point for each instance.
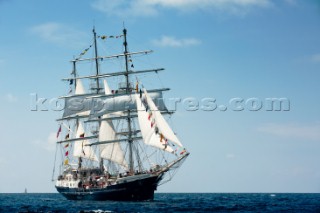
(140, 189)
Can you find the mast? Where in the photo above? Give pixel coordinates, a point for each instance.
(125, 44)
(97, 79)
(74, 72)
(96, 58)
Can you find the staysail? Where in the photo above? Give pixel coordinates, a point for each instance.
(160, 122)
(148, 131)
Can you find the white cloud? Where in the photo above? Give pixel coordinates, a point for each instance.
(152, 7)
(169, 41)
(49, 144)
(305, 132)
(315, 58)
(11, 98)
(58, 33)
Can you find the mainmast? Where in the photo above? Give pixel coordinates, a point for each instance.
(97, 79)
(128, 91)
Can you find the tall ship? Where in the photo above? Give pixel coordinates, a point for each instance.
(114, 140)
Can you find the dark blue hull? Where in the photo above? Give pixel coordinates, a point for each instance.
(140, 189)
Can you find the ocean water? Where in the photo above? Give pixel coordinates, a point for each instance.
(167, 202)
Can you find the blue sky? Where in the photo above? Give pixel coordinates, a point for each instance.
(219, 49)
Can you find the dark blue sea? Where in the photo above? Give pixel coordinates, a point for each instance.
(167, 202)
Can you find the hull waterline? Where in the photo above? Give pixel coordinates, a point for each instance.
(142, 189)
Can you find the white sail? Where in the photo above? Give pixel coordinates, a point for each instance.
(123, 103)
(150, 137)
(79, 88)
(110, 151)
(107, 90)
(160, 122)
(104, 105)
(77, 104)
(80, 148)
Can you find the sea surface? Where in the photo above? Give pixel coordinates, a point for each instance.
(167, 202)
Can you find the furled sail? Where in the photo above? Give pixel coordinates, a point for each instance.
(160, 122)
(149, 134)
(110, 151)
(80, 147)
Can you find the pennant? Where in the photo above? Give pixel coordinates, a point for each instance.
(137, 86)
(82, 135)
(66, 146)
(111, 36)
(67, 153)
(84, 52)
(161, 137)
(103, 37)
(66, 162)
(183, 151)
(70, 91)
(67, 136)
(71, 81)
(59, 130)
(132, 66)
(149, 116)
